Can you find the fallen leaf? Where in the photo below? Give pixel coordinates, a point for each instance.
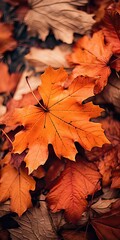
(111, 29)
(107, 158)
(76, 182)
(59, 17)
(36, 224)
(103, 205)
(91, 59)
(16, 185)
(61, 120)
(7, 42)
(8, 82)
(108, 225)
(41, 58)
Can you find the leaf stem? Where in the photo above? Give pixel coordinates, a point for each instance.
(6, 136)
(27, 78)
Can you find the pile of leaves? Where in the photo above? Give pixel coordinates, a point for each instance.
(59, 119)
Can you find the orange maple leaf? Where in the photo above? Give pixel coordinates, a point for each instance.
(91, 56)
(7, 42)
(76, 182)
(61, 121)
(16, 186)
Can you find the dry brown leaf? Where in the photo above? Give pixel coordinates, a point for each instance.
(103, 205)
(60, 16)
(36, 224)
(40, 58)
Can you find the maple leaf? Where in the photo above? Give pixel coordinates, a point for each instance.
(16, 185)
(76, 182)
(60, 121)
(7, 42)
(58, 16)
(91, 56)
(111, 28)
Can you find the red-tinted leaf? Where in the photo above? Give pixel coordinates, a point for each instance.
(77, 181)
